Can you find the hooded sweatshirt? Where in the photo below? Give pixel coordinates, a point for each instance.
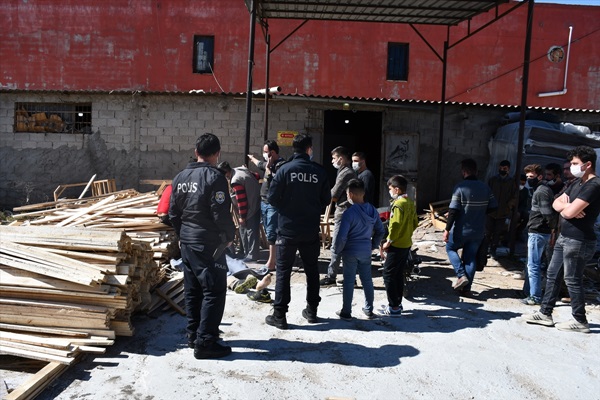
(360, 231)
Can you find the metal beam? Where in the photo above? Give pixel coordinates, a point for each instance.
(250, 72)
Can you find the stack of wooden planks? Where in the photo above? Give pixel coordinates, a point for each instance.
(72, 273)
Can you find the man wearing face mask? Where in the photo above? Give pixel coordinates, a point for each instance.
(359, 165)
(579, 207)
(340, 159)
(552, 177)
(505, 191)
(543, 221)
(272, 162)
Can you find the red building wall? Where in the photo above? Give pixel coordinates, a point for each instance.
(147, 45)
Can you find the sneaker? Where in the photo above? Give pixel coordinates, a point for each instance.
(387, 311)
(277, 322)
(530, 301)
(461, 283)
(211, 350)
(539, 319)
(573, 326)
(368, 313)
(249, 283)
(327, 281)
(310, 316)
(344, 316)
(261, 296)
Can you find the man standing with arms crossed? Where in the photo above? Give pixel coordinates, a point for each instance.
(200, 214)
(579, 207)
(299, 191)
(359, 165)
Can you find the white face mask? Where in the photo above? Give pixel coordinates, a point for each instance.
(355, 165)
(576, 171)
(393, 195)
(335, 164)
(266, 156)
(521, 187)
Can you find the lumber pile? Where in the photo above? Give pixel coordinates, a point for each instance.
(93, 279)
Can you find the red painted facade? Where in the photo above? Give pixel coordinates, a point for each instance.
(147, 45)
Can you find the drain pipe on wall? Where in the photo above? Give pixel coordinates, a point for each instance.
(564, 91)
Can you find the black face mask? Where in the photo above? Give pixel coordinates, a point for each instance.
(532, 182)
(502, 172)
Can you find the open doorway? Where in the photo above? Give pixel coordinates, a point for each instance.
(357, 131)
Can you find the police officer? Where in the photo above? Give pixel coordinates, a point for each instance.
(299, 191)
(200, 214)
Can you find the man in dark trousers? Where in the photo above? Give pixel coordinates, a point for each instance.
(299, 191)
(579, 207)
(200, 214)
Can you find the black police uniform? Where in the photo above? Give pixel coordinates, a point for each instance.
(200, 213)
(298, 191)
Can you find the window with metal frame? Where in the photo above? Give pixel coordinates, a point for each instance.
(53, 117)
(397, 68)
(204, 47)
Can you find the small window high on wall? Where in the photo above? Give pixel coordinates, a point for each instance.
(53, 117)
(204, 47)
(397, 69)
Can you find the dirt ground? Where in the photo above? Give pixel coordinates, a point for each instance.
(442, 347)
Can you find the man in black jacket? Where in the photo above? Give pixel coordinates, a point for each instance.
(200, 214)
(299, 191)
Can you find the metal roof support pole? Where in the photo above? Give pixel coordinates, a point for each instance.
(442, 117)
(267, 72)
(526, 57)
(249, 88)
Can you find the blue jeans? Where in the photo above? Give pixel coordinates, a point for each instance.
(573, 254)
(362, 263)
(536, 244)
(393, 274)
(269, 220)
(468, 264)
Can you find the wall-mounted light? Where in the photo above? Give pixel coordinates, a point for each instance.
(346, 121)
(346, 106)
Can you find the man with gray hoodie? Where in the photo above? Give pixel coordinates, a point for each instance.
(360, 232)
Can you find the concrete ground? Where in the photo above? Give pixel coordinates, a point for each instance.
(442, 347)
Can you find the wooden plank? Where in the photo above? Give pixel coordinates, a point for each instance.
(174, 305)
(42, 330)
(35, 355)
(35, 384)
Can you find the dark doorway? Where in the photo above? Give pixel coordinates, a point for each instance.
(357, 131)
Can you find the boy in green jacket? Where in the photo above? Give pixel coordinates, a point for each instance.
(403, 222)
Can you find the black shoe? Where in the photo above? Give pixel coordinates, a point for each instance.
(277, 322)
(310, 316)
(327, 281)
(261, 296)
(211, 350)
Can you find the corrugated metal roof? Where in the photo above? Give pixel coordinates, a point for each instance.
(431, 12)
(339, 99)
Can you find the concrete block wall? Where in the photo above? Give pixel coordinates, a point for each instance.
(152, 136)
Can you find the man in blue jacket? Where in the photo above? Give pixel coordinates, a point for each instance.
(299, 191)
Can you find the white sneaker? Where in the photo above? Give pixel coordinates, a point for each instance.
(539, 319)
(573, 326)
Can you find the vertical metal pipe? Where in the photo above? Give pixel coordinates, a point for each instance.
(267, 69)
(524, 88)
(442, 118)
(249, 87)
